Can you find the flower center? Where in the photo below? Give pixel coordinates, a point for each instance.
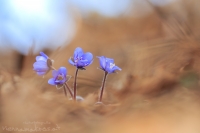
(77, 59)
(112, 65)
(59, 77)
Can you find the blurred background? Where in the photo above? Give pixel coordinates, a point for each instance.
(37, 25)
(155, 42)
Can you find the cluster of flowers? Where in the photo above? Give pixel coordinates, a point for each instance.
(80, 60)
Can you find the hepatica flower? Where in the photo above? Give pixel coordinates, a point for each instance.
(108, 65)
(59, 76)
(43, 64)
(81, 59)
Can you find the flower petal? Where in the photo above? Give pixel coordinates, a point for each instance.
(81, 63)
(90, 63)
(116, 68)
(102, 61)
(63, 81)
(87, 56)
(40, 66)
(41, 58)
(51, 81)
(62, 70)
(71, 62)
(41, 73)
(109, 60)
(84, 63)
(108, 69)
(55, 73)
(78, 52)
(44, 55)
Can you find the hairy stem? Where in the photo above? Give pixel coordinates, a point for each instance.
(102, 87)
(70, 91)
(65, 91)
(76, 73)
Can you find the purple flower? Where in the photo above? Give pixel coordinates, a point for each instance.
(107, 64)
(59, 76)
(43, 64)
(81, 59)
